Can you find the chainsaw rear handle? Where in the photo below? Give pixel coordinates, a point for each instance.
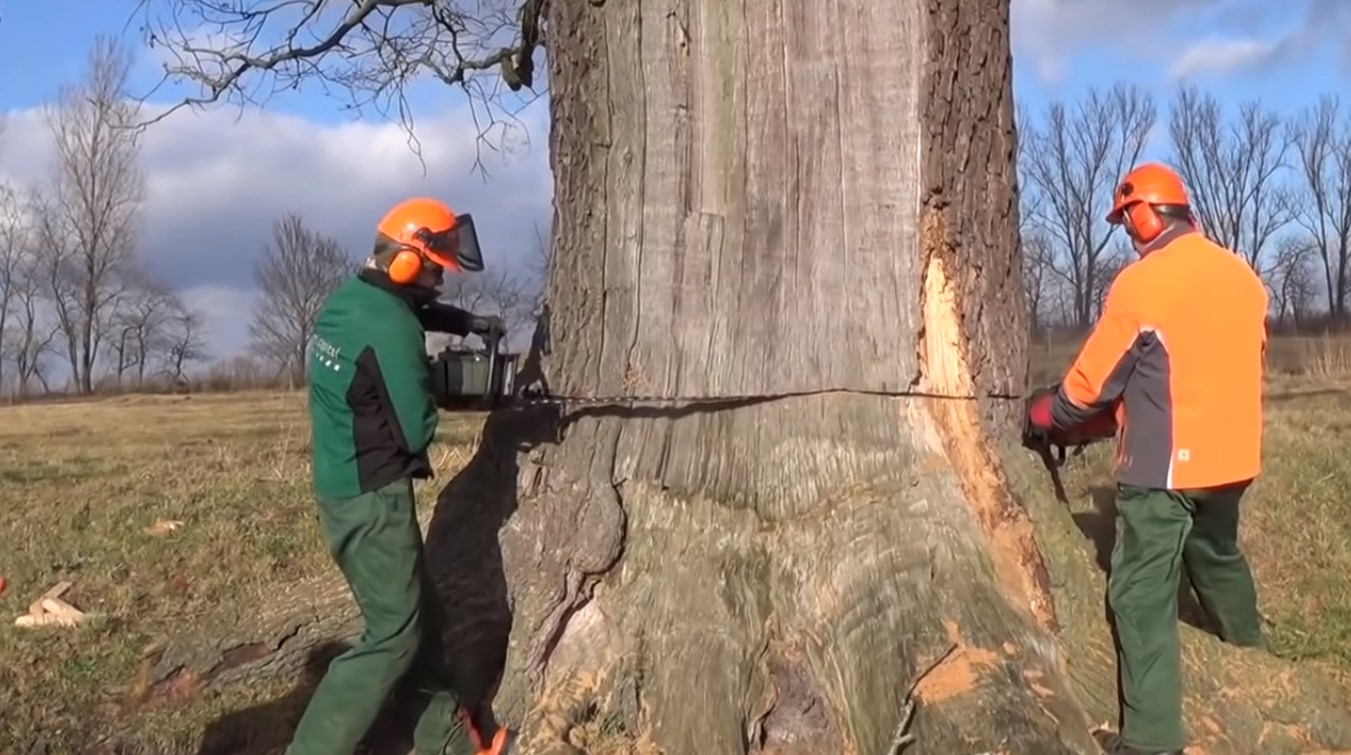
(1050, 442)
(1100, 426)
(1039, 430)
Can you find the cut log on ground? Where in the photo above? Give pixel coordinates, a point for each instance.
(756, 199)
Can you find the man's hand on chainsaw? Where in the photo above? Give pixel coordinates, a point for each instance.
(490, 326)
(1037, 425)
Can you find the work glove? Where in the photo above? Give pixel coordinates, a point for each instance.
(1037, 423)
(490, 326)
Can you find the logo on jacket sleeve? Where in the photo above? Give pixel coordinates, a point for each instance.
(326, 353)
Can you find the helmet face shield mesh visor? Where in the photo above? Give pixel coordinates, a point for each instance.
(455, 248)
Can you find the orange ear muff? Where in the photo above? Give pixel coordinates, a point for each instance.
(405, 266)
(1145, 222)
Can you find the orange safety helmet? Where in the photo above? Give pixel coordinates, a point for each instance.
(423, 230)
(1141, 194)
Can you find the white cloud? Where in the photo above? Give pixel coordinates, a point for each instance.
(1051, 32)
(217, 180)
(1238, 34)
(1221, 56)
(1292, 33)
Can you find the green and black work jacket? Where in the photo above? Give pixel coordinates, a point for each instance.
(372, 410)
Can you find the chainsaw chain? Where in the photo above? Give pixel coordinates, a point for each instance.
(549, 398)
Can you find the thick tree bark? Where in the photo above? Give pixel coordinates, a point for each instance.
(757, 199)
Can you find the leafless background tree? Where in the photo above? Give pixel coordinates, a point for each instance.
(1037, 255)
(1322, 138)
(1275, 190)
(29, 325)
(1293, 280)
(14, 245)
(1234, 172)
(1071, 161)
(140, 327)
(88, 217)
(298, 270)
(184, 340)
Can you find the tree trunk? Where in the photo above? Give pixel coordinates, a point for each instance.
(752, 200)
(756, 201)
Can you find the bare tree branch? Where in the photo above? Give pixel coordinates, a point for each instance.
(369, 52)
(1037, 283)
(1232, 171)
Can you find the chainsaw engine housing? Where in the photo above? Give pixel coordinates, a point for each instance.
(465, 379)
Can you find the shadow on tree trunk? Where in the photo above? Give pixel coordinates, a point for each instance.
(465, 558)
(1099, 526)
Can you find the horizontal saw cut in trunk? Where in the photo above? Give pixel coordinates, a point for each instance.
(765, 199)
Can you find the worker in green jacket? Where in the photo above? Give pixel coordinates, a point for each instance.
(373, 415)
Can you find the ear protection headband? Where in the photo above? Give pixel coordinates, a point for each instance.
(409, 261)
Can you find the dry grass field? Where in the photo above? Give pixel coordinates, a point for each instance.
(90, 493)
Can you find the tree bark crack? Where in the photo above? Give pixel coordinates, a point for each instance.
(636, 275)
(900, 734)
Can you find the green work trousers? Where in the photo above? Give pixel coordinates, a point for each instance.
(376, 542)
(1158, 533)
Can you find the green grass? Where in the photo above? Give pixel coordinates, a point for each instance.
(80, 483)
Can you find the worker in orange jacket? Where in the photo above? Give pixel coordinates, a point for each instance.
(1178, 354)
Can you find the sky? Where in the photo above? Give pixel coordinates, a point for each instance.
(218, 179)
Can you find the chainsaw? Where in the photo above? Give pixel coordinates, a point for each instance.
(1052, 444)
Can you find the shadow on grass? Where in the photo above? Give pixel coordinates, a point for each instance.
(1099, 526)
(469, 617)
(266, 729)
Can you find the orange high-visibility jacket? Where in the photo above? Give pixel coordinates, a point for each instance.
(1179, 352)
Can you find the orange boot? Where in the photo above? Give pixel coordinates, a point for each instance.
(504, 743)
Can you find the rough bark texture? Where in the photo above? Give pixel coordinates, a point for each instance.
(759, 198)
(750, 201)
